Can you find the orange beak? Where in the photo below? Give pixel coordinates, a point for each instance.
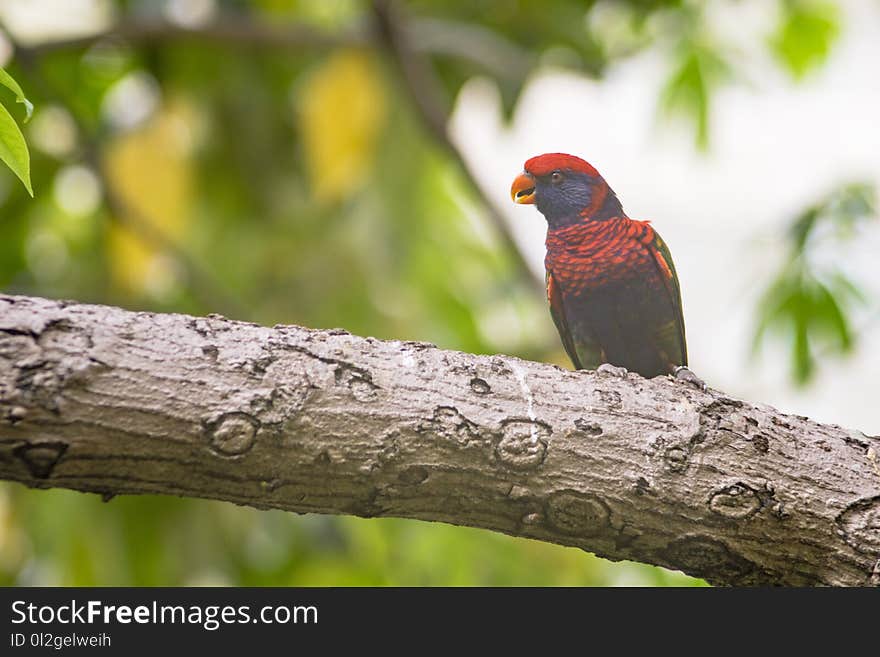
(523, 189)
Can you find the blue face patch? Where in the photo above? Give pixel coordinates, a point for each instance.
(563, 201)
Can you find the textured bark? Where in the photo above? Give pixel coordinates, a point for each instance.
(100, 399)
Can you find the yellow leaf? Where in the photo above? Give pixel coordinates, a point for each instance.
(341, 109)
(151, 172)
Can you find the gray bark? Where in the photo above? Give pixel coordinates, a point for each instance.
(104, 400)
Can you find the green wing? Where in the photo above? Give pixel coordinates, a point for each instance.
(584, 354)
(670, 335)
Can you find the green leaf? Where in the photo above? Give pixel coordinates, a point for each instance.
(803, 226)
(701, 69)
(844, 207)
(802, 359)
(846, 289)
(809, 302)
(13, 149)
(830, 313)
(805, 35)
(9, 82)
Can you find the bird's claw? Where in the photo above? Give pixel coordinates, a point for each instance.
(613, 370)
(682, 373)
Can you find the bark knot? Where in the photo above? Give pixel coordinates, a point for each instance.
(587, 427)
(578, 514)
(860, 525)
(413, 475)
(356, 379)
(232, 434)
(448, 423)
(737, 501)
(676, 458)
(706, 556)
(523, 443)
(479, 386)
(40, 458)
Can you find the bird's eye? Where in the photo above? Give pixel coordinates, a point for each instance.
(556, 177)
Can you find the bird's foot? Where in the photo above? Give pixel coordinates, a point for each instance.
(613, 370)
(682, 373)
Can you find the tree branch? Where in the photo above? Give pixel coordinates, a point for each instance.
(100, 399)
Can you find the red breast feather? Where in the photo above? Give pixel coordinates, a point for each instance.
(592, 254)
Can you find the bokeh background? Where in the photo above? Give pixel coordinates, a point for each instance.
(346, 163)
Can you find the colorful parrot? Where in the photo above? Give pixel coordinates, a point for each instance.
(613, 291)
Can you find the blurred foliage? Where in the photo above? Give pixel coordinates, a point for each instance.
(811, 298)
(162, 200)
(296, 182)
(699, 72)
(805, 35)
(341, 112)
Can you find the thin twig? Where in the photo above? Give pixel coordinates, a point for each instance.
(224, 31)
(425, 90)
(476, 44)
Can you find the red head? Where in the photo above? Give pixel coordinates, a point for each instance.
(566, 189)
(542, 165)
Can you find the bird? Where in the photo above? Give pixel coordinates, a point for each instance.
(612, 287)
